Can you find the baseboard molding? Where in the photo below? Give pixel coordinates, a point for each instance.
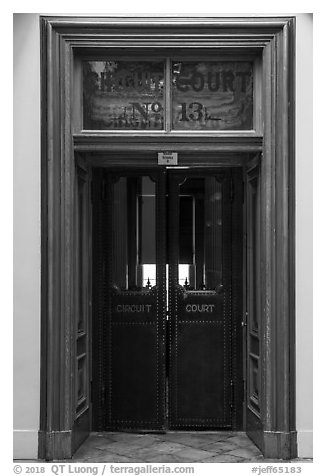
(280, 445)
(55, 445)
(305, 444)
(25, 444)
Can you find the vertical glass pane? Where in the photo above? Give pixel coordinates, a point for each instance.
(147, 233)
(200, 234)
(134, 233)
(209, 95)
(123, 95)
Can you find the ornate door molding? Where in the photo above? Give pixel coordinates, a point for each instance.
(272, 39)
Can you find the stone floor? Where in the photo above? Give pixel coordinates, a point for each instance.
(172, 447)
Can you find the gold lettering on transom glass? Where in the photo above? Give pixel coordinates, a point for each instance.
(123, 95)
(212, 95)
(204, 95)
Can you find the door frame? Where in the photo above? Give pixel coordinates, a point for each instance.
(62, 139)
(165, 228)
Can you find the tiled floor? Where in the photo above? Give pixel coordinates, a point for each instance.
(172, 447)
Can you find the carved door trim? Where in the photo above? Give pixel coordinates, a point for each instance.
(271, 38)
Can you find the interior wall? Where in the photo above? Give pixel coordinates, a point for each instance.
(304, 239)
(27, 234)
(27, 249)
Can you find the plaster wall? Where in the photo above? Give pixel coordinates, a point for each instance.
(27, 235)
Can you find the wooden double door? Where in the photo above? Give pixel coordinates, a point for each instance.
(167, 299)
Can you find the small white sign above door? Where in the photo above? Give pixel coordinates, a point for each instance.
(167, 158)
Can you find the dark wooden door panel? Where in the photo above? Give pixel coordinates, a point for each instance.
(82, 292)
(130, 384)
(134, 376)
(253, 308)
(200, 302)
(201, 391)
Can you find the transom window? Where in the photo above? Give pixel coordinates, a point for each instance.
(168, 95)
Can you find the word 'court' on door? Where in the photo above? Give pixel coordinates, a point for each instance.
(167, 277)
